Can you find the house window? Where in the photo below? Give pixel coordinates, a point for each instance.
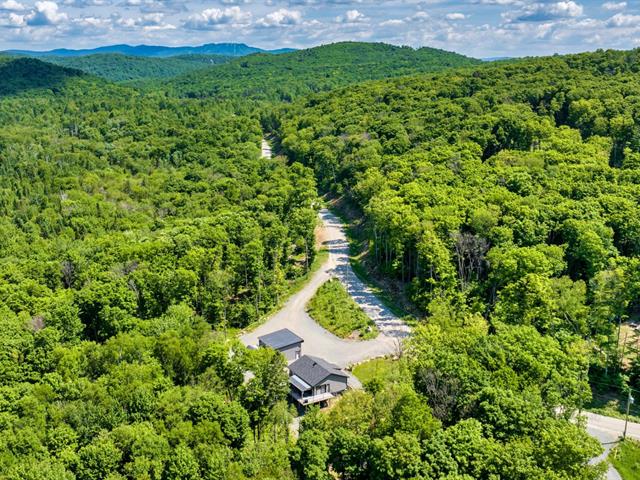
(322, 389)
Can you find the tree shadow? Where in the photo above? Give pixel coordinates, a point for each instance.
(20, 75)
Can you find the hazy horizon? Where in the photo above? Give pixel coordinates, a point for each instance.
(479, 28)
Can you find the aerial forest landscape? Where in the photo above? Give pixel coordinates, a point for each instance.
(320, 240)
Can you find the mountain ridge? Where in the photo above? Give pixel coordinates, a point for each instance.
(157, 51)
(118, 67)
(312, 70)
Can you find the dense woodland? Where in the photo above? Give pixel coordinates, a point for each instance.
(508, 191)
(290, 75)
(504, 196)
(135, 231)
(140, 230)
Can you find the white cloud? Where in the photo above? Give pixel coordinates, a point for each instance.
(165, 6)
(455, 16)
(614, 5)
(12, 6)
(351, 16)
(213, 17)
(86, 3)
(499, 2)
(281, 18)
(418, 17)
(147, 22)
(16, 20)
(543, 12)
(394, 22)
(44, 13)
(622, 20)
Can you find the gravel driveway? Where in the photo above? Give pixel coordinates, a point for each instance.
(266, 149)
(318, 341)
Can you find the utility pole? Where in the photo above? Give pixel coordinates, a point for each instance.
(624, 347)
(619, 329)
(630, 400)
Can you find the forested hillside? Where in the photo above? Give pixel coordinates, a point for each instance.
(25, 74)
(139, 230)
(118, 67)
(503, 200)
(509, 191)
(290, 75)
(134, 231)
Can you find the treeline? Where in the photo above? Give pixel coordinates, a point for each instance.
(140, 229)
(463, 404)
(135, 231)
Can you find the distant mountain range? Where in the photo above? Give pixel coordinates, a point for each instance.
(226, 49)
(496, 59)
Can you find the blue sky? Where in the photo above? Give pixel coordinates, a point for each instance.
(481, 28)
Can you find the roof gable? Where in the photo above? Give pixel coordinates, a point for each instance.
(313, 370)
(280, 339)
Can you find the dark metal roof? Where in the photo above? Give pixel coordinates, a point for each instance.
(313, 370)
(280, 339)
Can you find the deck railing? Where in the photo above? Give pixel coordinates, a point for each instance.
(311, 399)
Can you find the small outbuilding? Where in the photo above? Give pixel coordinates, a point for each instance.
(314, 380)
(284, 341)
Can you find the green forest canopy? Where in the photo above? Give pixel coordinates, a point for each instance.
(508, 190)
(139, 228)
(290, 75)
(119, 68)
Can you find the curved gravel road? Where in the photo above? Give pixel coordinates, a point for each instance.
(318, 341)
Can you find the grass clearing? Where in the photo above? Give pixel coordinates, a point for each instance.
(334, 309)
(613, 404)
(626, 458)
(386, 370)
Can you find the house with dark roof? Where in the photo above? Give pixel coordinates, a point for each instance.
(314, 380)
(284, 341)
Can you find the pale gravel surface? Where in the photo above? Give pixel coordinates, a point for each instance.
(608, 431)
(608, 440)
(320, 342)
(266, 149)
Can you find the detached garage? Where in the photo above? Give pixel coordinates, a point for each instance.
(284, 341)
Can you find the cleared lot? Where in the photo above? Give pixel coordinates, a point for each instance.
(317, 340)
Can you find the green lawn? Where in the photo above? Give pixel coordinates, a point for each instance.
(385, 370)
(626, 458)
(334, 309)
